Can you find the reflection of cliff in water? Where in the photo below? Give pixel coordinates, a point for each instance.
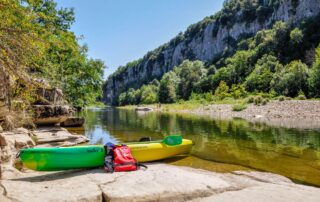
(290, 152)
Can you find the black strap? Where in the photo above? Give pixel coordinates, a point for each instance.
(141, 165)
(18, 154)
(136, 164)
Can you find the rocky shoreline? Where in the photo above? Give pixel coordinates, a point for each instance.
(160, 182)
(303, 114)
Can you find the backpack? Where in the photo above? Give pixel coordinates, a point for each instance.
(120, 159)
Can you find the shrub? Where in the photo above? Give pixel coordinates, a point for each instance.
(301, 97)
(250, 99)
(264, 101)
(239, 107)
(238, 91)
(258, 100)
(282, 98)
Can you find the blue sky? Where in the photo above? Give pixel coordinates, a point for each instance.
(120, 31)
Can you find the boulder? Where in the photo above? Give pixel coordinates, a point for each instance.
(50, 114)
(47, 95)
(73, 122)
(23, 141)
(143, 109)
(3, 141)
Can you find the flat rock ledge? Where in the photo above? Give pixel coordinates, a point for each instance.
(56, 136)
(12, 141)
(160, 182)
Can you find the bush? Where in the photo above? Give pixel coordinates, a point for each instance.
(301, 97)
(258, 100)
(265, 101)
(239, 107)
(250, 100)
(282, 98)
(238, 91)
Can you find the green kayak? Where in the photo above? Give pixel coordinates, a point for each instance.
(50, 159)
(90, 156)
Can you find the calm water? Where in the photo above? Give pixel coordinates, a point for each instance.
(220, 145)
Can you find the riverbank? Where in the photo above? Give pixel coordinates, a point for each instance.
(304, 114)
(160, 182)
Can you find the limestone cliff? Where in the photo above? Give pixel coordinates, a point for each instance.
(203, 41)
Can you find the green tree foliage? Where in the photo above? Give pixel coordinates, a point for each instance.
(149, 94)
(314, 80)
(21, 45)
(260, 78)
(272, 61)
(168, 85)
(190, 74)
(296, 36)
(223, 74)
(290, 79)
(35, 41)
(238, 91)
(222, 91)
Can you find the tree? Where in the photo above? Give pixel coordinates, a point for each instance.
(168, 87)
(190, 73)
(261, 76)
(149, 94)
(296, 36)
(290, 79)
(131, 96)
(122, 100)
(240, 65)
(223, 74)
(84, 85)
(21, 45)
(314, 80)
(222, 91)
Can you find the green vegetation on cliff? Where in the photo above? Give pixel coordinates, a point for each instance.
(36, 42)
(249, 43)
(283, 60)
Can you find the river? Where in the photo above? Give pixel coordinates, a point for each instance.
(220, 145)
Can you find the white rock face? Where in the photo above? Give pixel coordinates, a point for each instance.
(204, 46)
(159, 182)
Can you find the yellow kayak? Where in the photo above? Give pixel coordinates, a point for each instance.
(153, 151)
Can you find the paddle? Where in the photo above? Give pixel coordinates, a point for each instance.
(172, 140)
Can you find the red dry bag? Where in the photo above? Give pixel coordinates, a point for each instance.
(123, 160)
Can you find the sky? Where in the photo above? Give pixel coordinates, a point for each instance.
(120, 31)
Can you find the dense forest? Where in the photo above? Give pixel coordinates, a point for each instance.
(36, 44)
(283, 60)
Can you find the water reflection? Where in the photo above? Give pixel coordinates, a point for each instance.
(289, 152)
